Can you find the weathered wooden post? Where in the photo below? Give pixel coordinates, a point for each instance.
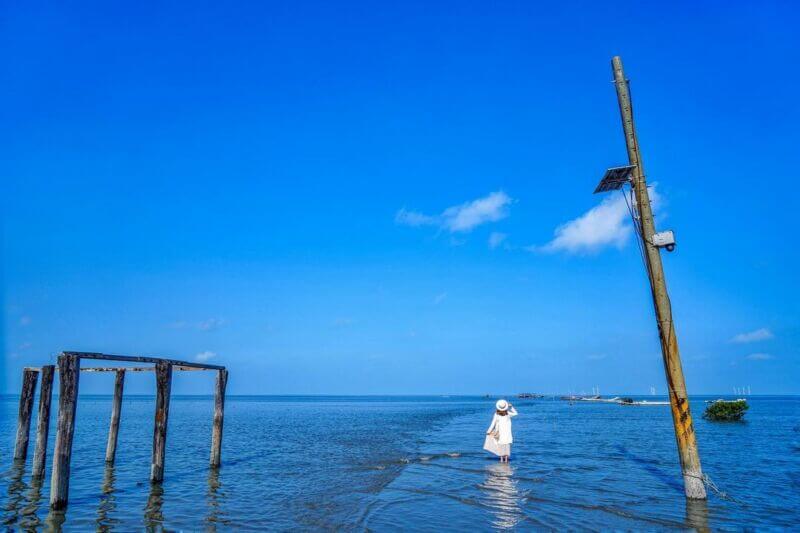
(163, 387)
(219, 415)
(43, 421)
(69, 370)
(116, 409)
(29, 377)
(678, 398)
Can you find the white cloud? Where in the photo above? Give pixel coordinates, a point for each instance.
(759, 357)
(761, 334)
(496, 239)
(203, 357)
(442, 296)
(467, 216)
(461, 218)
(604, 225)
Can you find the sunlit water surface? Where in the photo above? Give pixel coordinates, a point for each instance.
(392, 463)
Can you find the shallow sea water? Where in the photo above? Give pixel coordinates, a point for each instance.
(403, 463)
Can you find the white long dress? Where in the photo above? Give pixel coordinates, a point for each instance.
(499, 437)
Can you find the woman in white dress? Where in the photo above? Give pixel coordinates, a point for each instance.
(498, 436)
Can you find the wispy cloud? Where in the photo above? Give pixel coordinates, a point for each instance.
(496, 239)
(343, 322)
(759, 357)
(439, 298)
(760, 334)
(461, 218)
(24, 321)
(204, 357)
(605, 225)
(414, 219)
(209, 324)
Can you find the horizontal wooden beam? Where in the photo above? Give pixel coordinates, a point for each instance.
(142, 359)
(127, 368)
(139, 368)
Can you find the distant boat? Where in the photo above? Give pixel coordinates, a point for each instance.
(525, 395)
(631, 401)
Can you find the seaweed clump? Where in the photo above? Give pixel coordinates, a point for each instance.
(726, 411)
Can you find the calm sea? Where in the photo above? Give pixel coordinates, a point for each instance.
(400, 463)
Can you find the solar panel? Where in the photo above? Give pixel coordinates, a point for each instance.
(614, 179)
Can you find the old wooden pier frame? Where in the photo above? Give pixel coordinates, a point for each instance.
(69, 369)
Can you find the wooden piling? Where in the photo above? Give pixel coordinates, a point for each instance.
(219, 415)
(116, 409)
(29, 377)
(676, 385)
(69, 366)
(43, 421)
(163, 388)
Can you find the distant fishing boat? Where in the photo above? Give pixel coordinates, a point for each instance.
(631, 401)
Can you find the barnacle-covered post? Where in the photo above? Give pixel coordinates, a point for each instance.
(163, 389)
(43, 421)
(116, 410)
(69, 370)
(29, 378)
(219, 415)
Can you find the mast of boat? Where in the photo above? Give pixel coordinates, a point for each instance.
(651, 242)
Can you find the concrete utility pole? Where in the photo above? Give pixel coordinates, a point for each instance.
(678, 399)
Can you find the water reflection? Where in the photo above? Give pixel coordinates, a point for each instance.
(215, 498)
(54, 520)
(502, 496)
(16, 493)
(28, 518)
(153, 515)
(697, 515)
(108, 501)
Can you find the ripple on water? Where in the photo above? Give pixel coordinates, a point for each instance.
(339, 463)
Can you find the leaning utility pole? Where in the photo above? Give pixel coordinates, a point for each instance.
(678, 399)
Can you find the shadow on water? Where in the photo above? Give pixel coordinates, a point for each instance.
(153, 515)
(215, 497)
(648, 466)
(108, 501)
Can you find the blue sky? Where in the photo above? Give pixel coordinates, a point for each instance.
(366, 197)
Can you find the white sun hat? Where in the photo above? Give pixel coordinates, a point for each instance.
(501, 405)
